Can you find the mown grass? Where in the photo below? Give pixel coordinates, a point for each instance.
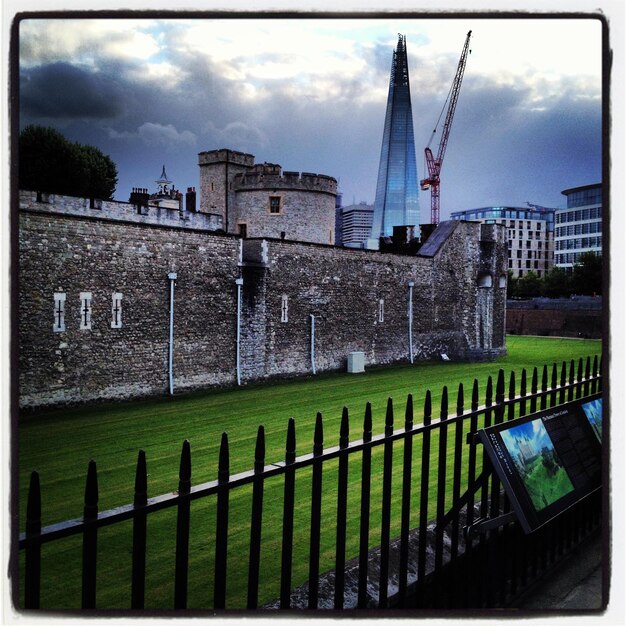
(59, 445)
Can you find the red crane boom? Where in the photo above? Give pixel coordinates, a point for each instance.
(434, 164)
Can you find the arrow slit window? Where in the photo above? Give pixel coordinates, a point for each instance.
(85, 310)
(116, 310)
(58, 325)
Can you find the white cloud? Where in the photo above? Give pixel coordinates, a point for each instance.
(156, 135)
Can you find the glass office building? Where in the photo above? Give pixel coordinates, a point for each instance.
(396, 202)
(579, 226)
(530, 234)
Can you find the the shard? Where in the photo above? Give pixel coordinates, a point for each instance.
(396, 202)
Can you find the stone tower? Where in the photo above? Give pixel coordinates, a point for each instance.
(396, 202)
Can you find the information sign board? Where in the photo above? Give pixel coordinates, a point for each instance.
(547, 461)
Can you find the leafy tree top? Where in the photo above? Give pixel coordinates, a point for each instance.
(50, 162)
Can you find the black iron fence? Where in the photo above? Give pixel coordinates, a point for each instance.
(433, 563)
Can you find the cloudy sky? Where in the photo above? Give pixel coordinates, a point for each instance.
(310, 94)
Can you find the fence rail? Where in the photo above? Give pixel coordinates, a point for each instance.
(431, 553)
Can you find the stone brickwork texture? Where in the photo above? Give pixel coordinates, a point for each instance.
(233, 186)
(341, 288)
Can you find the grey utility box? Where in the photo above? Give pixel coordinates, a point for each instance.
(356, 362)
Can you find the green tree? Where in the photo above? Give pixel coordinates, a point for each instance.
(556, 283)
(49, 162)
(512, 290)
(529, 285)
(587, 274)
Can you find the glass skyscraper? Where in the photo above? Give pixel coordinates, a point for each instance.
(396, 202)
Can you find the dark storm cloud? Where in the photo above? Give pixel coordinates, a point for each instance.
(63, 91)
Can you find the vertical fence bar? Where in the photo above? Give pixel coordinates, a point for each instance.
(456, 472)
(182, 528)
(256, 522)
(543, 401)
(587, 375)
(533, 392)
(594, 384)
(138, 584)
(562, 383)
(523, 392)
(90, 538)
(484, 495)
(579, 379)
(316, 513)
(424, 499)
(553, 385)
(32, 558)
(469, 596)
(406, 502)
(510, 414)
(570, 389)
(342, 508)
(494, 510)
(385, 523)
(288, 505)
(221, 526)
(441, 478)
(364, 530)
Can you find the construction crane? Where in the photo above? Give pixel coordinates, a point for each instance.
(434, 163)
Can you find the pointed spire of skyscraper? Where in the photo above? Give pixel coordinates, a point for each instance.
(396, 202)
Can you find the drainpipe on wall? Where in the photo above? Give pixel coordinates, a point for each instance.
(239, 283)
(172, 278)
(313, 343)
(411, 283)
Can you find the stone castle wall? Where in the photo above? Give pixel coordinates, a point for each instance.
(118, 211)
(341, 288)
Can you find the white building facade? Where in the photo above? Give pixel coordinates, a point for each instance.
(530, 233)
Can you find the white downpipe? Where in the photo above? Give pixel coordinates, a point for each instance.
(172, 277)
(239, 283)
(313, 343)
(411, 283)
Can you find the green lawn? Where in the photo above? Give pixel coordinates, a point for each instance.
(60, 444)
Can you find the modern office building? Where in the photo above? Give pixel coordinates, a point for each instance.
(396, 202)
(354, 225)
(579, 226)
(530, 233)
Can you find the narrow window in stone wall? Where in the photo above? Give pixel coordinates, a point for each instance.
(85, 310)
(284, 309)
(116, 310)
(381, 310)
(59, 313)
(275, 205)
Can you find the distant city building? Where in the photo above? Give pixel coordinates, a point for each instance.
(530, 233)
(354, 224)
(396, 202)
(579, 226)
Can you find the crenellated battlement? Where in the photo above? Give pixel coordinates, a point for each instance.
(224, 155)
(270, 176)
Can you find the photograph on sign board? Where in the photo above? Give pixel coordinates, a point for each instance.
(593, 411)
(537, 463)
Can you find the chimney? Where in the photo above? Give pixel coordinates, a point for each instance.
(190, 199)
(139, 197)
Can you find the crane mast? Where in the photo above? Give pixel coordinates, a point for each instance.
(434, 163)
